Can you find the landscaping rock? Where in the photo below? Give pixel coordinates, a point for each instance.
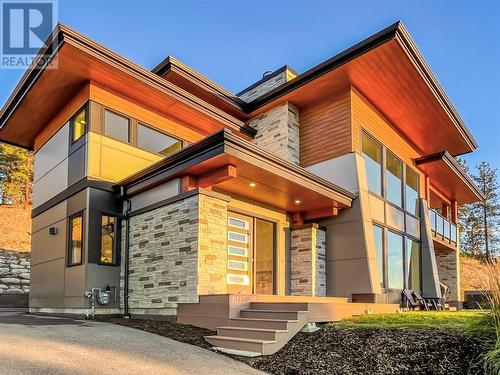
(14, 291)
(14, 272)
(10, 280)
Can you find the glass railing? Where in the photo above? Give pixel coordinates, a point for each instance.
(442, 228)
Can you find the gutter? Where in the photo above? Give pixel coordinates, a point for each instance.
(126, 217)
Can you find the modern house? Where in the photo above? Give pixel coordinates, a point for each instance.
(336, 185)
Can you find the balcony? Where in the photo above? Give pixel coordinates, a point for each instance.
(444, 232)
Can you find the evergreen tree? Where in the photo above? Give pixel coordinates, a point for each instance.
(470, 225)
(486, 180)
(16, 175)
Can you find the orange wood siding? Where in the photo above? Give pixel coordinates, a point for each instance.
(365, 116)
(62, 117)
(325, 129)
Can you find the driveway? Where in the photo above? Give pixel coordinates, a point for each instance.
(31, 344)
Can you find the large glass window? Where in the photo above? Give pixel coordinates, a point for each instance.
(411, 191)
(394, 179)
(372, 152)
(78, 125)
(413, 265)
(76, 239)
(116, 126)
(395, 273)
(379, 247)
(108, 227)
(155, 141)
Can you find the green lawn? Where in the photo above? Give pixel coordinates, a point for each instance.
(470, 321)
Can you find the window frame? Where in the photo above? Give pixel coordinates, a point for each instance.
(384, 172)
(72, 119)
(118, 113)
(382, 163)
(115, 239)
(136, 143)
(81, 214)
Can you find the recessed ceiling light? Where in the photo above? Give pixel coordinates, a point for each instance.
(252, 184)
(297, 201)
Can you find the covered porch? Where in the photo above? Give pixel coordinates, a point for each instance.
(223, 217)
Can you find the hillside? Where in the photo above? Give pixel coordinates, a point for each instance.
(474, 275)
(15, 228)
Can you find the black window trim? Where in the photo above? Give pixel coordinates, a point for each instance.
(85, 108)
(118, 113)
(116, 240)
(141, 123)
(81, 214)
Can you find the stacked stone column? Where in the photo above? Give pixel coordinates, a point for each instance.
(308, 261)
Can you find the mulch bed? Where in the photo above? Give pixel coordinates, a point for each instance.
(346, 351)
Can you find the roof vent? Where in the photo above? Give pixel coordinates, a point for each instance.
(267, 73)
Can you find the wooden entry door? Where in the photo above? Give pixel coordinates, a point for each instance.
(239, 254)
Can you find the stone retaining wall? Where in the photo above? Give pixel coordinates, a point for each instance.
(14, 272)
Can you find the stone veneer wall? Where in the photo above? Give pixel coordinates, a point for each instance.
(212, 245)
(448, 270)
(265, 87)
(278, 132)
(308, 261)
(176, 253)
(14, 272)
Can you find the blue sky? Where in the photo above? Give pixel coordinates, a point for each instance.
(233, 42)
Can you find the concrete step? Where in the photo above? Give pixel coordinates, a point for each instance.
(270, 314)
(238, 343)
(290, 306)
(261, 323)
(252, 333)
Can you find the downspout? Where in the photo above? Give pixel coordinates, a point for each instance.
(126, 211)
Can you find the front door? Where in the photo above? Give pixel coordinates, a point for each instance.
(239, 254)
(251, 250)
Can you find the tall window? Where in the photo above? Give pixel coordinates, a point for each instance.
(395, 273)
(379, 247)
(108, 232)
(78, 125)
(116, 126)
(372, 152)
(413, 265)
(76, 239)
(411, 191)
(394, 179)
(155, 141)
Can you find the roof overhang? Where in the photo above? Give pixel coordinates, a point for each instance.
(390, 72)
(448, 176)
(42, 92)
(278, 183)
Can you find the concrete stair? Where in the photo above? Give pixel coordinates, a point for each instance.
(262, 329)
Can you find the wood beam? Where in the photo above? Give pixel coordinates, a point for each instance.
(454, 212)
(217, 176)
(322, 213)
(297, 218)
(188, 183)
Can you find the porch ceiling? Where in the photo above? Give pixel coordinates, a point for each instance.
(449, 177)
(277, 183)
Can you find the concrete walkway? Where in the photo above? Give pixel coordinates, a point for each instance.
(32, 344)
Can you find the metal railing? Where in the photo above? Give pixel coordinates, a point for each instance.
(442, 228)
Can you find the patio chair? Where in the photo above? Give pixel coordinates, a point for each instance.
(410, 301)
(426, 304)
